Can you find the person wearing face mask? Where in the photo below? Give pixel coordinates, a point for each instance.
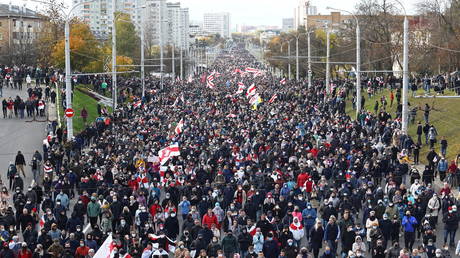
(82, 250)
(348, 237)
(450, 220)
(213, 247)
(393, 251)
(291, 250)
(270, 247)
(172, 226)
(328, 253)
(180, 252)
(370, 222)
(409, 223)
(309, 217)
(93, 210)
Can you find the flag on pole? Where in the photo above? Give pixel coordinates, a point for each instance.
(283, 81)
(179, 127)
(251, 90)
(273, 98)
(106, 249)
(209, 81)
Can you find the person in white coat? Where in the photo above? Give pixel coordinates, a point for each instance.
(297, 230)
(434, 204)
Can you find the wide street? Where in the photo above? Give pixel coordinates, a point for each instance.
(16, 135)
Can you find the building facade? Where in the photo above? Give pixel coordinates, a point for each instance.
(288, 24)
(173, 27)
(19, 28)
(217, 23)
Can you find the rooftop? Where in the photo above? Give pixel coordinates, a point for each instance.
(17, 11)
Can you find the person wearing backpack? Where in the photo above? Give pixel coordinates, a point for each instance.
(11, 173)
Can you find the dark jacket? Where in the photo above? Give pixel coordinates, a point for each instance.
(271, 249)
(316, 238)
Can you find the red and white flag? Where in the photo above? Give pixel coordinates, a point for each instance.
(254, 99)
(137, 104)
(251, 90)
(283, 81)
(190, 79)
(241, 88)
(170, 151)
(209, 81)
(106, 249)
(251, 70)
(273, 98)
(179, 127)
(231, 116)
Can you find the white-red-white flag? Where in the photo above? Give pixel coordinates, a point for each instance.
(273, 98)
(166, 153)
(137, 104)
(283, 81)
(210, 81)
(106, 249)
(251, 70)
(190, 79)
(231, 116)
(251, 90)
(179, 127)
(241, 88)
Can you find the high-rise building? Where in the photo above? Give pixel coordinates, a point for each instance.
(174, 19)
(177, 25)
(288, 24)
(217, 23)
(303, 9)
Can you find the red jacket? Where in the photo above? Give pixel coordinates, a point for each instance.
(302, 178)
(209, 220)
(25, 253)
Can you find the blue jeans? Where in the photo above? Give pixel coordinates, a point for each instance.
(333, 245)
(452, 236)
(443, 151)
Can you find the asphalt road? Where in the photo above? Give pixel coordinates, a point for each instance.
(16, 135)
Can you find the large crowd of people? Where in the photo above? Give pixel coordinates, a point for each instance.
(230, 163)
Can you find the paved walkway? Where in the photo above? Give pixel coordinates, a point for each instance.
(23, 135)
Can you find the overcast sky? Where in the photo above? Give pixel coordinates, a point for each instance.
(253, 12)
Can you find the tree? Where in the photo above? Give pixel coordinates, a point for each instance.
(128, 42)
(84, 48)
(51, 32)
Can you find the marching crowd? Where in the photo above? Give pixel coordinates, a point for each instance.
(231, 163)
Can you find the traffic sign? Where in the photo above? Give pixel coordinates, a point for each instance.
(69, 112)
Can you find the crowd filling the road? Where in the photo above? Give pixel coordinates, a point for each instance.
(230, 163)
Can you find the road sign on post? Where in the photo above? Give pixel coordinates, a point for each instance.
(69, 112)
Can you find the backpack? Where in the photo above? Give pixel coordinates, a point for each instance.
(11, 171)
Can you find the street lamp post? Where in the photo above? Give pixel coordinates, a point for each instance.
(161, 44)
(173, 64)
(289, 59)
(309, 59)
(297, 58)
(114, 56)
(328, 43)
(68, 83)
(358, 61)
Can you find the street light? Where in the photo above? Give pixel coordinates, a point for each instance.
(405, 93)
(358, 60)
(68, 84)
(141, 28)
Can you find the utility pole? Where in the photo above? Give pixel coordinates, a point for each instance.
(358, 69)
(327, 59)
(173, 63)
(161, 44)
(181, 50)
(309, 60)
(142, 55)
(114, 57)
(405, 108)
(68, 84)
(297, 58)
(289, 60)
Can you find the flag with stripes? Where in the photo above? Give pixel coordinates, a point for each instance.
(168, 152)
(273, 98)
(210, 81)
(231, 116)
(179, 127)
(283, 81)
(251, 70)
(137, 104)
(251, 90)
(241, 88)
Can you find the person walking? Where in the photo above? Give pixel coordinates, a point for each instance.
(20, 162)
(229, 244)
(409, 224)
(450, 225)
(443, 146)
(84, 115)
(93, 211)
(332, 234)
